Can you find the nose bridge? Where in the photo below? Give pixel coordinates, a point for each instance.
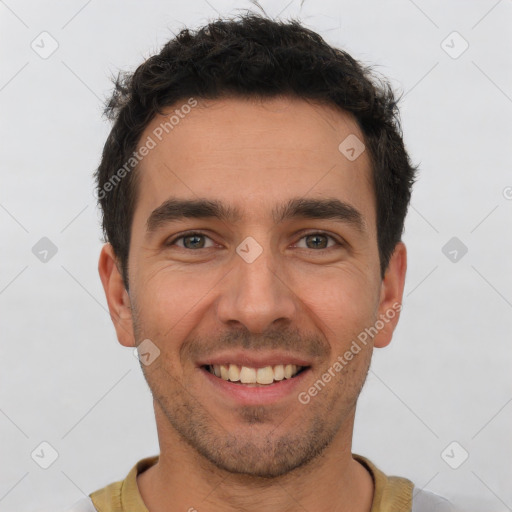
(256, 296)
(257, 276)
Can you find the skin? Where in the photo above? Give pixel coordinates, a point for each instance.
(313, 301)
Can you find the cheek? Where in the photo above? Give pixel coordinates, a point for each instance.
(344, 299)
(169, 299)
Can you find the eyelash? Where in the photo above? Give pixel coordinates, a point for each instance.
(191, 233)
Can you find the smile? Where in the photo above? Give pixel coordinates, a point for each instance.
(254, 376)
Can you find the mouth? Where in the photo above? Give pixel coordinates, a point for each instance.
(252, 376)
(234, 378)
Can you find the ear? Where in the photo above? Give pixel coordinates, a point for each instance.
(391, 293)
(117, 297)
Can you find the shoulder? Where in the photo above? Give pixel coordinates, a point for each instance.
(117, 494)
(83, 505)
(426, 501)
(396, 490)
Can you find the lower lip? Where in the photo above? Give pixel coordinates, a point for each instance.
(257, 395)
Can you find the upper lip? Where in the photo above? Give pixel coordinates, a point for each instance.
(254, 359)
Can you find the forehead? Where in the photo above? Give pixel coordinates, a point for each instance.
(252, 155)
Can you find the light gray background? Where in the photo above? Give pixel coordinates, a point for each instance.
(445, 377)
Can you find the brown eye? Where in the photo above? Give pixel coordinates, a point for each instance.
(318, 241)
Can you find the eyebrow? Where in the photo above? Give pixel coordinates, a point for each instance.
(329, 209)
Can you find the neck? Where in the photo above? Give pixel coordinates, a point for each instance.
(183, 480)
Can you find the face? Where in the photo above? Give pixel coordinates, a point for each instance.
(253, 267)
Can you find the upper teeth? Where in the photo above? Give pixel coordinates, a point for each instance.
(248, 375)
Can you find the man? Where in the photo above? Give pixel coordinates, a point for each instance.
(254, 188)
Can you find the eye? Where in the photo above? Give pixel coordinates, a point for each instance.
(191, 240)
(196, 240)
(319, 241)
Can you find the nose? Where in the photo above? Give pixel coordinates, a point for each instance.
(257, 294)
